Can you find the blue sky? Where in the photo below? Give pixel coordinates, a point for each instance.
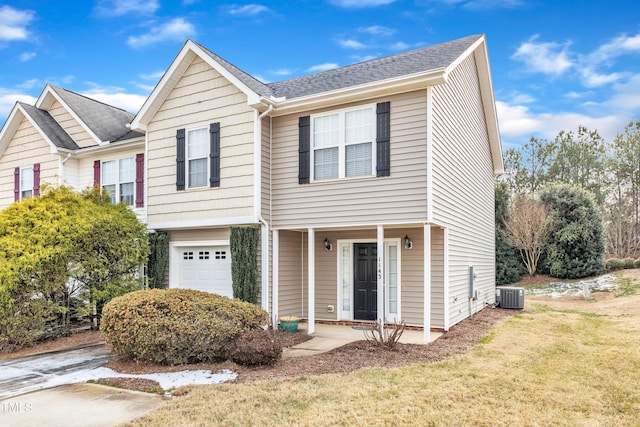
(555, 64)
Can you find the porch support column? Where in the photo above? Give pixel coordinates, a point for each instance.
(427, 283)
(380, 278)
(312, 281)
(446, 279)
(275, 271)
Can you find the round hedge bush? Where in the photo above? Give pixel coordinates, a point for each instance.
(177, 326)
(255, 348)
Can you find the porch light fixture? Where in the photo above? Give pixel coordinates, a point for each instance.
(327, 245)
(408, 244)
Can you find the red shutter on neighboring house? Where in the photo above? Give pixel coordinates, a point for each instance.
(16, 184)
(96, 173)
(139, 180)
(36, 179)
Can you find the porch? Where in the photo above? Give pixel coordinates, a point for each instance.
(329, 336)
(396, 273)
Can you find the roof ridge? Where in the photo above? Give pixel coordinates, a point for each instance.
(88, 98)
(378, 59)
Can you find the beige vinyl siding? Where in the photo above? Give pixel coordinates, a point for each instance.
(292, 286)
(71, 125)
(201, 235)
(463, 188)
(202, 96)
(265, 193)
(71, 173)
(26, 148)
(400, 197)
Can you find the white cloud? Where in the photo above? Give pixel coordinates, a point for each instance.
(27, 56)
(519, 122)
(246, 10)
(548, 58)
(351, 44)
(590, 78)
(117, 97)
(322, 67)
(618, 46)
(282, 72)
(377, 30)
(113, 8)
(14, 22)
(361, 3)
(399, 46)
(8, 98)
(177, 29)
(152, 76)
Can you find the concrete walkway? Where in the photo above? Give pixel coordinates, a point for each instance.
(327, 337)
(77, 405)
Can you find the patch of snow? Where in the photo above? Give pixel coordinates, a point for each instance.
(169, 380)
(605, 283)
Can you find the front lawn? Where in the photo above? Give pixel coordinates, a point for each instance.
(563, 361)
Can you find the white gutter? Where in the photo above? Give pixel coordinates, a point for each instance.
(257, 204)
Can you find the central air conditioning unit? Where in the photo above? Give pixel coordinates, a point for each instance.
(509, 297)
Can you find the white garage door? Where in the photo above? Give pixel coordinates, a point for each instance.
(206, 268)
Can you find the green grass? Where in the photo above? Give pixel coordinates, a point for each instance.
(626, 287)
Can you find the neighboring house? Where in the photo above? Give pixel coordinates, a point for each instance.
(69, 139)
(372, 184)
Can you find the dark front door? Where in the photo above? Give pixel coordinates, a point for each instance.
(365, 281)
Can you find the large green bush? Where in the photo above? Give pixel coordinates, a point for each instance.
(576, 244)
(177, 326)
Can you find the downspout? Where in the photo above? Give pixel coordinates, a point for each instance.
(62, 174)
(258, 207)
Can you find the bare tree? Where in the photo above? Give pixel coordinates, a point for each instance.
(526, 229)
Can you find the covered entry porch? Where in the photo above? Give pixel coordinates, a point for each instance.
(390, 273)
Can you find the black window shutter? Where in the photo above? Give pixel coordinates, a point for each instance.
(180, 159)
(383, 139)
(214, 154)
(304, 146)
(16, 184)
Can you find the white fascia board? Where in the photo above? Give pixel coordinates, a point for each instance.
(187, 224)
(53, 148)
(10, 127)
(489, 105)
(385, 87)
(49, 91)
(162, 89)
(171, 77)
(114, 146)
(358, 226)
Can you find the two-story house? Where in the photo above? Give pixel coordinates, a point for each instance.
(372, 183)
(69, 139)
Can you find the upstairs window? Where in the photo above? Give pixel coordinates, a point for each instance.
(342, 144)
(197, 157)
(118, 179)
(26, 183)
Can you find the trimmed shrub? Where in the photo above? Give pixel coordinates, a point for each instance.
(629, 263)
(613, 264)
(637, 263)
(255, 348)
(177, 326)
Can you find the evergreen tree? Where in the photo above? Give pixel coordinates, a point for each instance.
(576, 246)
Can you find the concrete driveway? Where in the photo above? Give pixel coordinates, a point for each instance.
(32, 391)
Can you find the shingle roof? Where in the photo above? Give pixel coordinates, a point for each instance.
(50, 127)
(402, 64)
(108, 123)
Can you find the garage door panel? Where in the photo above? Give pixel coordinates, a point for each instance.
(206, 269)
